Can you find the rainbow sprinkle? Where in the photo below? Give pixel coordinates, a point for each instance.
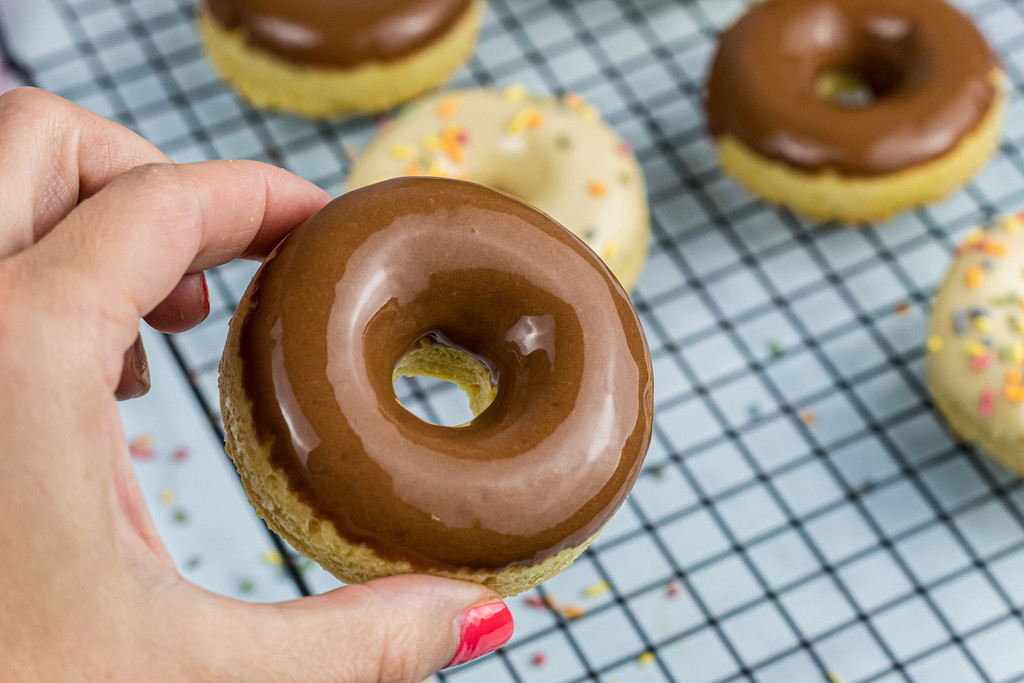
(986, 403)
(597, 189)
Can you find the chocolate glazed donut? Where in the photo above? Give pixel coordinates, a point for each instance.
(928, 67)
(537, 474)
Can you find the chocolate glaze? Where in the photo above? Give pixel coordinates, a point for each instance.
(339, 33)
(928, 66)
(349, 292)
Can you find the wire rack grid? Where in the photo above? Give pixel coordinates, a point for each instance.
(803, 515)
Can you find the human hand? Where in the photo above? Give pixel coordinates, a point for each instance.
(99, 229)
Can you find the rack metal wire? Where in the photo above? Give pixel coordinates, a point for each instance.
(803, 515)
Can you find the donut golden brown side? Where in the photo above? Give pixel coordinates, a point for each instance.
(327, 58)
(451, 279)
(928, 116)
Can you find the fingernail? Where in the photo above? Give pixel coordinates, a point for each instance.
(135, 380)
(206, 295)
(484, 629)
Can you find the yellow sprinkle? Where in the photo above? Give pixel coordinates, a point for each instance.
(1014, 393)
(449, 107)
(973, 236)
(403, 152)
(432, 143)
(594, 590)
(975, 349)
(975, 276)
(833, 677)
(514, 93)
(452, 148)
(1012, 224)
(609, 251)
(983, 324)
(590, 113)
(646, 659)
(934, 344)
(1017, 353)
(435, 170)
(168, 496)
(273, 558)
(597, 189)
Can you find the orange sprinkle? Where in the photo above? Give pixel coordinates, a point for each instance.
(903, 309)
(809, 417)
(574, 101)
(1014, 393)
(1014, 376)
(452, 149)
(597, 189)
(449, 107)
(975, 276)
(995, 248)
(413, 169)
(572, 612)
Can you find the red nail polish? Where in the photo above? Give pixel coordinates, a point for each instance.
(206, 295)
(485, 628)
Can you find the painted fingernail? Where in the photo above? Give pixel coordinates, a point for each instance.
(206, 295)
(484, 629)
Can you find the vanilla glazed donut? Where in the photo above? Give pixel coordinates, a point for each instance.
(553, 153)
(975, 360)
(323, 58)
(933, 119)
(442, 277)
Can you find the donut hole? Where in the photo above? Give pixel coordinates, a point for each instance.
(437, 367)
(858, 85)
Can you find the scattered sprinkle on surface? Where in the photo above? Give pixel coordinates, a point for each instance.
(141, 447)
(809, 417)
(646, 659)
(180, 454)
(596, 589)
(179, 516)
(539, 659)
(168, 496)
(536, 601)
(903, 309)
(674, 588)
(273, 558)
(572, 611)
(246, 586)
(775, 348)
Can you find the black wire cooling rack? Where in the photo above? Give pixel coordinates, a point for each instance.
(803, 515)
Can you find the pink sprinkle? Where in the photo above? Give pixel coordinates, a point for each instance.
(463, 137)
(536, 601)
(986, 403)
(674, 589)
(624, 149)
(540, 659)
(980, 362)
(180, 454)
(141, 448)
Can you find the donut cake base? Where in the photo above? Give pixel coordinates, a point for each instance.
(272, 83)
(270, 495)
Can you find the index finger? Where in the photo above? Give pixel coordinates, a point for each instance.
(121, 252)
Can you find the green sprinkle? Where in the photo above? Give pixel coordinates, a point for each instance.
(1014, 323)
(1004, 354)
(179, 516)
(656, 471)
(775, 348)
(564, 141)
(305, 565)
(246, 586)
(625, 178)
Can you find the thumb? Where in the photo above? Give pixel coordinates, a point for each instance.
(393, 630)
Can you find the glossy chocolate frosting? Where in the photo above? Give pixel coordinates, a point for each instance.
(349, 292)
(339, 33)
(929, 68)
